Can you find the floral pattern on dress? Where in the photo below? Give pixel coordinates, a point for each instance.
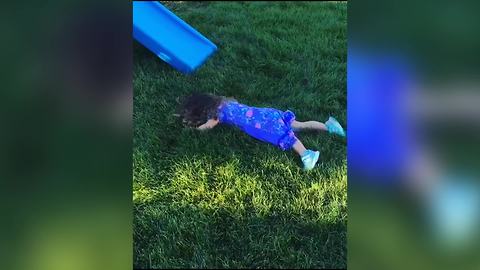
(266, 124)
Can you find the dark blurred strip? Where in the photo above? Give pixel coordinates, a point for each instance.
(66, 135)
(413, 115)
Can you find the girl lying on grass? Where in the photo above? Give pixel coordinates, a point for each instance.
(205, 111)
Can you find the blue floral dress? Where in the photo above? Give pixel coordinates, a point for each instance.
(265, 124)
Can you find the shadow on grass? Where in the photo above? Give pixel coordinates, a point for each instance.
(191, 236)
(143, 56)
(214, 208)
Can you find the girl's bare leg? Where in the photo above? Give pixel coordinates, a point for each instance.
(314, 125)
(299, 147)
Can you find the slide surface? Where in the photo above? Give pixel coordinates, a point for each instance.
(169, 37)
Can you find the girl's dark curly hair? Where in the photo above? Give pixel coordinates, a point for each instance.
(196, 109)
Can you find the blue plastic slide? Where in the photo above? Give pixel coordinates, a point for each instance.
(169, 37)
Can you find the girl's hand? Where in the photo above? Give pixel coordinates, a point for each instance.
(208, 125)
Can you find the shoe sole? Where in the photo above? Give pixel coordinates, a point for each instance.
(317, 156)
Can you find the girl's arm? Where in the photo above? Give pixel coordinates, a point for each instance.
(208, 125)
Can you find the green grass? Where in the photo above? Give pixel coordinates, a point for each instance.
(220, 198)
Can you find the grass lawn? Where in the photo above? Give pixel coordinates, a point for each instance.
(221, 198)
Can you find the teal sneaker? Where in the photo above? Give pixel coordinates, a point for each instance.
(309, 159)
(334, 127)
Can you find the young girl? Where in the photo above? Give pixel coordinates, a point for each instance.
(205, 111)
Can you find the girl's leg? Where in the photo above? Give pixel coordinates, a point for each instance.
(331, 126)
(309, 158)
(299, 147)
(315, 125)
